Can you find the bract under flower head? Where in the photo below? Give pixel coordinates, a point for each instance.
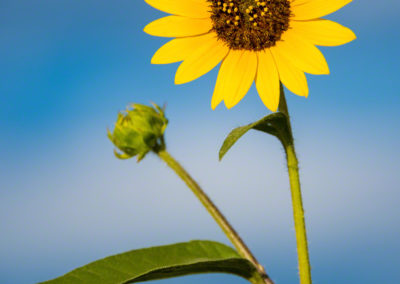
(138, 131)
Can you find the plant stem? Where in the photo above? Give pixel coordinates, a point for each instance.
(298, 215)
(298, 211)
(229, 231)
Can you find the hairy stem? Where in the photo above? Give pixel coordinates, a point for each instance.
(298, 211)
(232, 235)
(298, 215)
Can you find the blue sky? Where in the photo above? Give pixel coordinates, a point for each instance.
(68, 67)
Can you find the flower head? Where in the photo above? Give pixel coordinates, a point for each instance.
(266, 41)
(138, 131)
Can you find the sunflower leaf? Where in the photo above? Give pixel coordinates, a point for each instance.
(161, 262)
(275, 124)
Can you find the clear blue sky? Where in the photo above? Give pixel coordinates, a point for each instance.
(67, 67)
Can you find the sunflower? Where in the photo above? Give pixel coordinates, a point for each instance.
(266, 41)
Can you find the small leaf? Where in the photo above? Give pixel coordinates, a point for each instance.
(159, 263)
(275, 124)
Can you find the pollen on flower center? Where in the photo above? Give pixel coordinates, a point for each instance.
(250, 24)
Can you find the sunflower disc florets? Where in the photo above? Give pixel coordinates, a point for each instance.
(250, 24)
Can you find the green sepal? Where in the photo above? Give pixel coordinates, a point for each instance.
(161, 262)
(121, 156)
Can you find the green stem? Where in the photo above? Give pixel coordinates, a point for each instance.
(229, 231)
(298, 211)
(298, 215)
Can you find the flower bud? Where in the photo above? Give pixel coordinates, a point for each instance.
(138, 131)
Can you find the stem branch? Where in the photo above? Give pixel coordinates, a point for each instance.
(229, 231)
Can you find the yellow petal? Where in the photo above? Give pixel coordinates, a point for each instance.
(297, 2)
(202, 59)
(267, 80)
(292, 77)
(313, 9)
(301, 53)
(187, 8)
(177, 26)
(323, 32)
(178, 49)
(235, 77)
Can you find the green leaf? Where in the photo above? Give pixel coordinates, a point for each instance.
(161, 262)
(275, 124)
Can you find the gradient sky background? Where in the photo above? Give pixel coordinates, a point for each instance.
(67, 67)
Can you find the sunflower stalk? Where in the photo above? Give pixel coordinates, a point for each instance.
(226, 227)
(298, 211)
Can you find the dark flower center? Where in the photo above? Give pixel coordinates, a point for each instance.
(250, 24)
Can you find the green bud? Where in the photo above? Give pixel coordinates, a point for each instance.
(138, 131)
